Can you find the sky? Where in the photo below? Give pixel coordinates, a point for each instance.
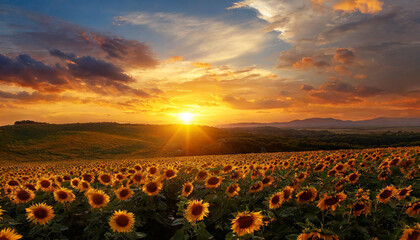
(217, 62)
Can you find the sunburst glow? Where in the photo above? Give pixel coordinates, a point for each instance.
(186, 117)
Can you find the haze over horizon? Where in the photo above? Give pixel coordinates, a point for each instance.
(207, 62)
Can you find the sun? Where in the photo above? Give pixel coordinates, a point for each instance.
(186, 117)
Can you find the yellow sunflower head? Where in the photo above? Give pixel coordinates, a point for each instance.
(196, 210)
(121, 221)
(97, 198)
(233, 190)
(40, 213)
(276, 200)
(123, 193)
(22, 195)
(152, 188)
(187, 189)
(247, 222)
(9, 234)
(64, 195)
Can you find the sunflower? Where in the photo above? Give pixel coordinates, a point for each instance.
(22, 195)
(138, 178)
(97, 198)
(196, 210)
(307, 195)
(411, 233)
(169, 174)
(213, 182)
(44, 185)
(84, 186)
(287, 193)
(267, 181)
(383, 175)
(121, 221)
(353, 177)
(152, 188)
(9, 234)
(331, 202)
(75, 183)
(1, 213)
(123, 193)
(361, 207)
(105, 179)
(256, 187)
(152, 171)
(64, 195)
(317, 235)
(40, 213)
(201, 175)
(403, 193)
(233, 190)
(320, 167)
(247, 222)
(386, 194)
(276, 200)
(413, 209)
(187, 189)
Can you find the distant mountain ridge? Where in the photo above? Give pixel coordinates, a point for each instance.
(333, 123)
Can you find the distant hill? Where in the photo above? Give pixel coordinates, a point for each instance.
(35, 142)
(325, 123)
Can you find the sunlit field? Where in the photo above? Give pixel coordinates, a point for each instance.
(346, 194)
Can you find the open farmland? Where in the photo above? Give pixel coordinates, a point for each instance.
(344, 194)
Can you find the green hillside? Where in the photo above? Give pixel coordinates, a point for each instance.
(35, 142)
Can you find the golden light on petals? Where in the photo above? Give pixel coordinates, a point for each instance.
(246, 223)
(9, 234)
(122, 221)
(196, 210)
(40, 213)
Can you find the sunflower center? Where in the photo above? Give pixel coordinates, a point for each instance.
(45, 183)
(286, 194)
(98, 199)
(187, 188)
(4, 238)
(403, 192)
(122, 220)
(255, 186)
(227, 168)
(359, 207)
(152, 187)
(319, 167)
(62, 195)
(202, 175)
(414, 235)
(213, 181)
(13, 183)
(23, 195)
(340, 167)
(106, 178)
(332, 201)
(266, 180)
(353, 177)
(40, 213)
(232, 189)
(197, 209)
(305, 196)
(385, 194)
(124, 192)
(170, 173)
(275, 199)
(152, 170)
(137, 177)
(245, 222)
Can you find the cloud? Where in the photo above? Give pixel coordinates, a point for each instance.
(363, 6)
(244, 104)
(309, 62)
(201, 65)
(345, 56)
(203, 39)
(37, 32)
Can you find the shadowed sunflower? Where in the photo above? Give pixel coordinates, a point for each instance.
(44, 185)
(233, 190)
(152, 171)
(84, 186)
(97, 198)
(187, 189)
(331, 202)
(267, 181)
(196, 210)
(1, 213)
(138, 178)
(9, 234)
(307, 195)
(201, 175)
(256, 187)
(22, 195)
(247, 222)
(40, 213)
(75, 183)
(353, 177)
(213, 182)
(403, 193)
(287, 193)
(276, 200)
(411, 233)
(64, 195)
(123, 193)
(152, 188)
(122, 221)
(361, 207)
(386, 194)
(413, 209)
(317, 235)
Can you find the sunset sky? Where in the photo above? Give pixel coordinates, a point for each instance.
(136, 61)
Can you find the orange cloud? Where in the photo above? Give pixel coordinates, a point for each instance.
(201, 65)
(309, 62)
(363, 6)
(175, 59)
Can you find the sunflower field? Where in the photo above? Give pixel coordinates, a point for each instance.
(344, 194)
